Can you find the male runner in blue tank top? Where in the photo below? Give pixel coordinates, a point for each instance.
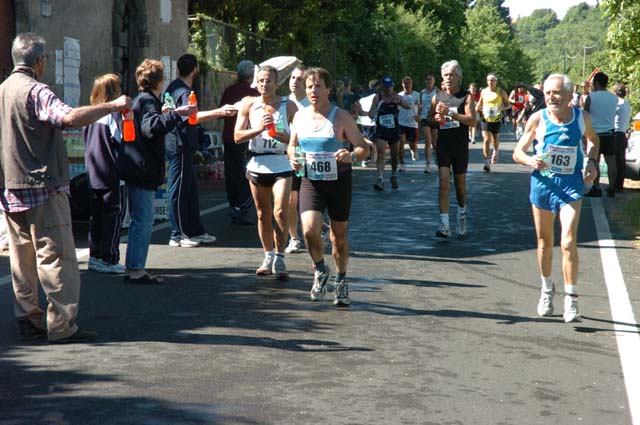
(557, 184)
(324, 133)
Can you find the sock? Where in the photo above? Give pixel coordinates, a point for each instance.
(380, 177)
(268, 254)
(444, 219)
(570, 289)
(547, 284)
(462, 210)
(321, 266)
(340, 276)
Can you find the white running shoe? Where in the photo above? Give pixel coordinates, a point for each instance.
(443, 231)
(462, 224)
(402, 167)
(266, 267)
(279, 268)
(571, 313)
(295, 245)
(319, 288)
(101, 266)
(204, 239)
(341, 293)
(184, 243)
(379, 184)
(94, 264)
(427, 168)
(494, 157)
(545, 304)
(415, 156)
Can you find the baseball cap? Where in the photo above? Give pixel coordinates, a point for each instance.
(387, 80)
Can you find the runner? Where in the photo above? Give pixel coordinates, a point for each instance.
(473, 130)
(385, 108)
(324, 132)
(429, 128)
(454, 109)
(517, 99)
(299, 97)
(493, 101)
(557, 183)
(365, 122)
(408, 120)
(268, 170)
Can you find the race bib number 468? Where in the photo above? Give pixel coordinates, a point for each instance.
(321, 166)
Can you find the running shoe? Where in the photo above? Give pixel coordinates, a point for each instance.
(443, 231)
(394, 182)
(462, 224)
(325, 233)
(415, 156)
(427, 168)
(571, 313)
(204, 239)
(401, 167)
(319, 288)
(266, 266)
(545, 304)
(184, 243)
(486, 167)
(95, 264)
(341, 293)
(115, 268)
(379, 184)
(494, 157)
(295, 245)
(279, 268)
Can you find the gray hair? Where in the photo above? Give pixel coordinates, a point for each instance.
(27, 48)
(245, 70)
(567, 84)
(452, 64)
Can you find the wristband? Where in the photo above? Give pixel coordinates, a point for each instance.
(353, 157)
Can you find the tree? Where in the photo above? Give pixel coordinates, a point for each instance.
(623, 42)
(491, 47)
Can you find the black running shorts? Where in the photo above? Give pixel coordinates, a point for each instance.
(335, 196)
(268, 180)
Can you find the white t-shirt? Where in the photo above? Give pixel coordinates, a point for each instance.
(365, 107)
(406, 116)
(623, 115)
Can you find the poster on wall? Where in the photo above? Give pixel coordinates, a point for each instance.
(71, 62)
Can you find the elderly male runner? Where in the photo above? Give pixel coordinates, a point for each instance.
(453, 109)
(557, 183)
(324, 133)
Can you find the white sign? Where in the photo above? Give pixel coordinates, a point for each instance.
(71, 63)
(165, 11)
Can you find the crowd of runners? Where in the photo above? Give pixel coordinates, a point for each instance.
(301, 149)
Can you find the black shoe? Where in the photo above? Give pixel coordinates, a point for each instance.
(145, 280)
(79, 336)
(595, 192)
(242, 220)
(29, 331)
(394, 182)
(611, 193)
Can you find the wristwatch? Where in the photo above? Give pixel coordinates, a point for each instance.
(450, 113)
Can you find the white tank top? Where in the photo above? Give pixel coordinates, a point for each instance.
(603, 110)
(268, 154)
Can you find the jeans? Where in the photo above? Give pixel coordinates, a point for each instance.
(139, 236)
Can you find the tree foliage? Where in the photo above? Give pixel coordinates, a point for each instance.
(623, 42)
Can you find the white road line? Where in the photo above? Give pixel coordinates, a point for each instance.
(84, 252)
(625, 323)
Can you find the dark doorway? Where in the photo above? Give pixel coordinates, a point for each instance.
(7, 34)
(129, 39)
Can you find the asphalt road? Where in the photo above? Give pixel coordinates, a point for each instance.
(437, 333)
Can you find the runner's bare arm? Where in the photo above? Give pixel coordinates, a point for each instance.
(241, 132)
(592, 142)
(520, 152)
(349, 131)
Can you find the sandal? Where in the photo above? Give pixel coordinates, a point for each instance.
(146, 279)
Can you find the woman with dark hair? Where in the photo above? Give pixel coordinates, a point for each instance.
(141, 164)
(108, 194)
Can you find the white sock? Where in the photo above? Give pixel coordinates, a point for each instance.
(444, 219)
(462, 210)
(547, 284)
(268, 254)
(570, 289)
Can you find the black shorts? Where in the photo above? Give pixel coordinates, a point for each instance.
(267, 179)
(454, 155)
(411, 133)
(491, 127)
(295, 183)
(607, 143)
(426, 123)
(390, 141)
(335, 196)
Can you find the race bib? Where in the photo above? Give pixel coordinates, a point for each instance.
(561, 159)
(491, 112)
(267, 145)
(520, 99)
(450, 124)
(387, 121)
(321, 166)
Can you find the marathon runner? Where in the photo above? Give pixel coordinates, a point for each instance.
(557, 183)
(322, 134)
(493, 101)
(429, 128)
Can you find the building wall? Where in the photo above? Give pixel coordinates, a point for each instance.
(92, 23)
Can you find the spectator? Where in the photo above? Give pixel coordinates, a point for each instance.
(623, 116)
(35, 194)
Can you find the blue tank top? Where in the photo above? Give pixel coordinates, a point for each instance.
(320, 139)
(562, 143)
